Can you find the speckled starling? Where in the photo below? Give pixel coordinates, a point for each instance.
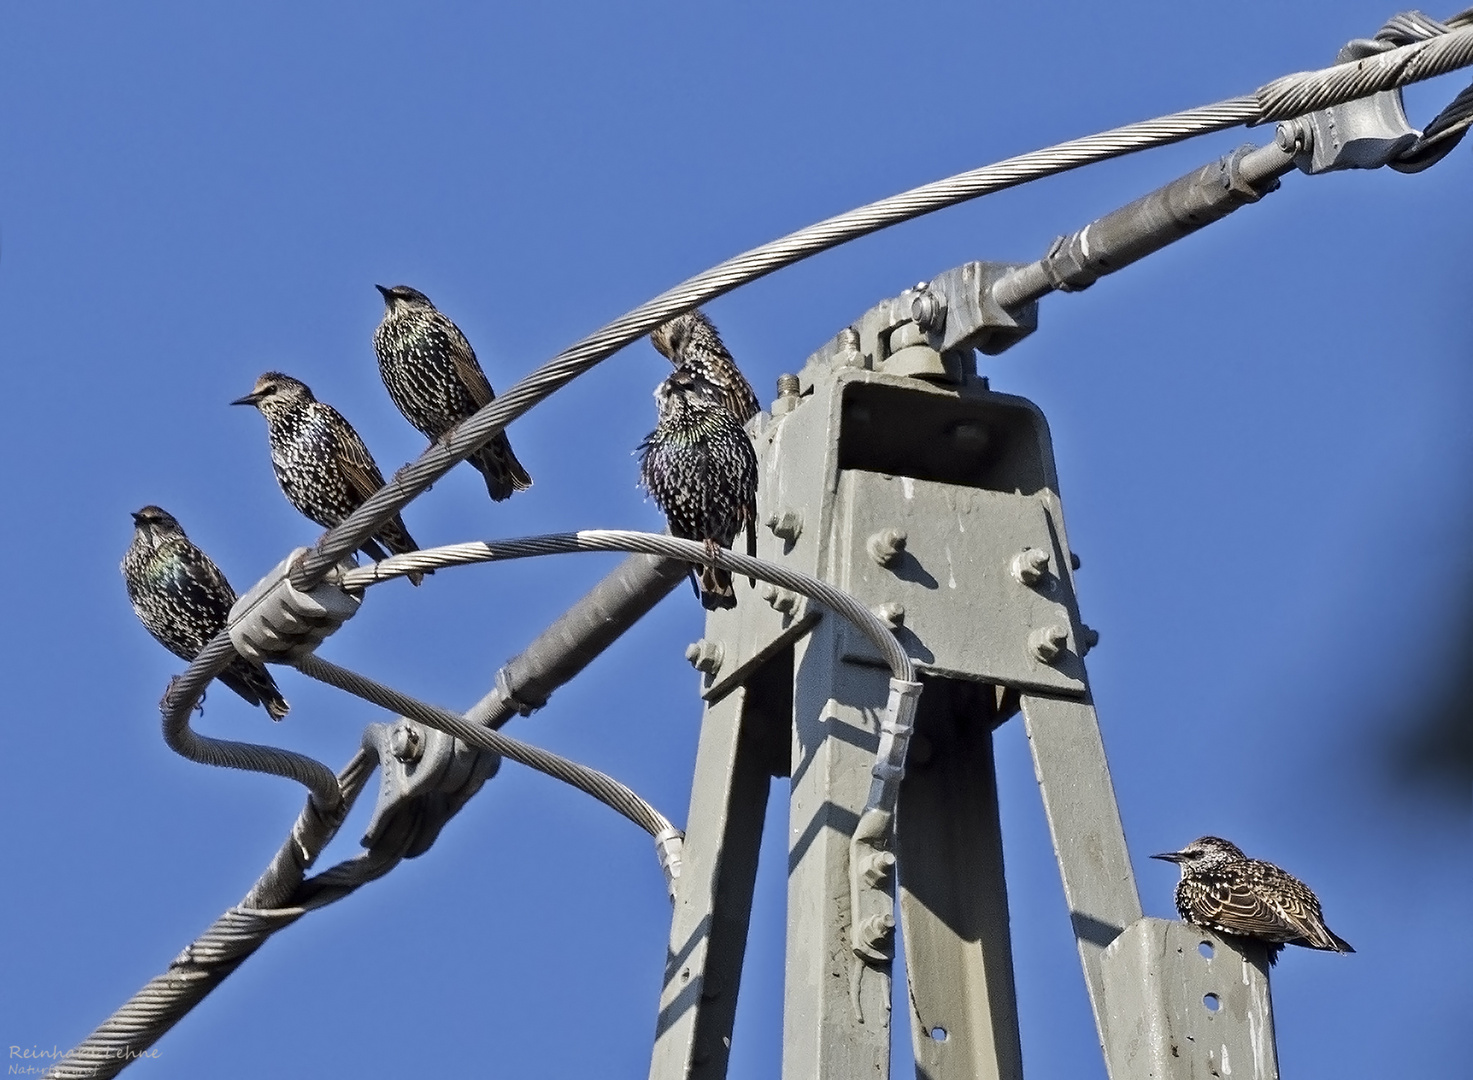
(433, 376)
(1223, 890)
(323, 467)
(183, 600)
(690, 341)
(700, 467)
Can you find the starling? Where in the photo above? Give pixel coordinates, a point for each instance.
(183, 600)
(690, 341)
(702, 471)
(323, 467)
(433, 376)
(1223, 890)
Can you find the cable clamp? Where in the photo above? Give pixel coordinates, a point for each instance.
(277, 622)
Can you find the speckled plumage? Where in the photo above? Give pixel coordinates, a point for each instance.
(435, 380)
(183, 600)
(690, 341)
(322, 465)
(1223, 890)
(700, 467)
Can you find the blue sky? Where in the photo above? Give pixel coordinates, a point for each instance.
(1262, 441)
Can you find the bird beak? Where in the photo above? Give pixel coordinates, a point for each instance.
(249, 399)
(137, 517)
(1169, 856)
(384, 291)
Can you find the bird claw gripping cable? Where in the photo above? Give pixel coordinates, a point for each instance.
(275, 621)
(426, 776)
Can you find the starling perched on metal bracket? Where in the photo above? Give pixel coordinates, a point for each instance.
(433, 376)
(690, 341)
(1223, 890)
(323, 467)
(183, 600)
(700, 467)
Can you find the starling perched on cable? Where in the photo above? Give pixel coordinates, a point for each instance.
(183, 600)
(1223, 890)
(702, 471)
(433, 376)
(323, 467)
(690, 341)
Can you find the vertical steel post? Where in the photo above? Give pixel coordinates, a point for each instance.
(890, 470)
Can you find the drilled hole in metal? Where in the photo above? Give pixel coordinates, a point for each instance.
(1206, 950)
(1210, 1000)
(938, 1034)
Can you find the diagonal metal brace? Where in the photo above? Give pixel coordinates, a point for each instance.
(277, 622)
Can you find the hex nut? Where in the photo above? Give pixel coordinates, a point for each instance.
(405, 743)
(1046, 643)
(1029, 566)
(706, 656)
(886, 545)
(786, 525)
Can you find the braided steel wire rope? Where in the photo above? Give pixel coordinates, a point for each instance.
(601, 786)
(841, 603)
(1281, 99)
(227, 943)
(272, 904)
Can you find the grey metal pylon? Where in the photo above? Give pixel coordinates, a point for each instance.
(891, 470)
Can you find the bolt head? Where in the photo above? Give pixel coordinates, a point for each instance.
(1046, 643)
(891, 614)
(886, 545)
(1029, 566)
(405, 743)
(706, 656)
(878, 867)
(877, 929)
(786, 525)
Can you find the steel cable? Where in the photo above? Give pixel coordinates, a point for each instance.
(1290, 96)
(1306, 91)
(602, 787)
(841, 603)
(207, 961)
(233, 937)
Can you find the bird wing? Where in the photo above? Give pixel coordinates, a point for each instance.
(468, 368)
(1297, 907)
(1238, 908)
(359, 468)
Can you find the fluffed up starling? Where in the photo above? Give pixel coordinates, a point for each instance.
(431, 372)
(690, 341)
(1223, 890)
(323, 467)
(183, 600)
(702, 471)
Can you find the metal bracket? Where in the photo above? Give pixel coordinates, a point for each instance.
(871, 860)
(1362, 134)
(426, 776)
(277, 622)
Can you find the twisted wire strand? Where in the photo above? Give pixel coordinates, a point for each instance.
(1446, 130)
(271, 905)
(1283, 98)
(690, 551)
(241, 930)
(1306, 92)
(179, 701)
(601, 786)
